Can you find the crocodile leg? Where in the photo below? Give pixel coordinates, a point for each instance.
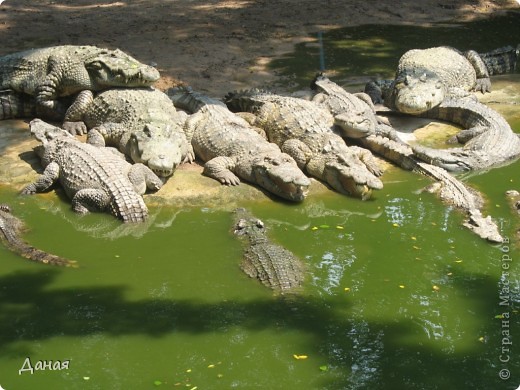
(298, 150)
(220, 168)
(73, 117)
(90, 199)
(46, 93)
(143, 178)
(48, 178)
(368, 159)
(483, 82)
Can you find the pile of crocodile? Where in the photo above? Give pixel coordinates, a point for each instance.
(137, 135)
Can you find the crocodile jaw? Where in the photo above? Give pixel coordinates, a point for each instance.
(114, 68)
(286, 180)
(355, 126)
(354, 181)
(161, 154)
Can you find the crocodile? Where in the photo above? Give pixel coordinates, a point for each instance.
(270, 263)
(424, 78)
(11, 228)
(386, 143)
(305, 131)
(94, 178)
(142, 123)
(354, 113)
(232, 149)
(48, 74)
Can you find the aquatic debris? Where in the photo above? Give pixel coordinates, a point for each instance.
(300, 357)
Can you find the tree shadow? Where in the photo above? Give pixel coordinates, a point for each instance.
(369, 354)
(373, 51)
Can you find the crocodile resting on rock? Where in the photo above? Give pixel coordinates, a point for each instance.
(424, 78)
(270, 263)
(305, 131)
(141, 122)
(94, 178)
(54, 72)
(231, 148)
(11, 228)
(387, 144)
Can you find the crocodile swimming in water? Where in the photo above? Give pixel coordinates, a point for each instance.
(142, 123)
(305, 131)
(11, 229)
(232, 149)
(95, 179)
(48, 74)
(270, 263)
(425, 77)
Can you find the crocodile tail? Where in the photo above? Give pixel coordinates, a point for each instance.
(129, 206)
(501, 60)
(14, 105)
(40, 256)
(10, 231)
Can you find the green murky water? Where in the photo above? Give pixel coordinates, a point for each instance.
(398, 294)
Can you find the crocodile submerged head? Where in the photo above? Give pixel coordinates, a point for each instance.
(417, 92)
(246, 224)
(114, 68)
(160, 148)
(278, 173)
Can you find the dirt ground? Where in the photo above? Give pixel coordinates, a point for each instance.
(213, 45)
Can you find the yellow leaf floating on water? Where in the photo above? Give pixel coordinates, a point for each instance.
(314, 228)
(395, 225)
(458, 261)
(435, 288)
(188, 370)
(413, 238)
(340, 227)
(211, 366)
(300, 357)
(449, 273)
(347, 289)
(401, 286)
(416, 247)
(481, 339)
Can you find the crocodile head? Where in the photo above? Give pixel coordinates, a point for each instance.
(278, 173)
(356, 117)
(418, 91)
(158, 147)
(349, 175)
(357, 123)
(46, 134)
(246, 224)
(114, 68)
